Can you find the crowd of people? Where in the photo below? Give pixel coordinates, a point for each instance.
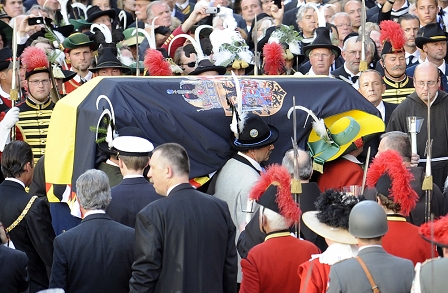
(362, 209)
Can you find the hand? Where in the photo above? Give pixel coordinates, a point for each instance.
(11, 118)
(195, 16)
(24, 28)
(414, 160)
(277, 13)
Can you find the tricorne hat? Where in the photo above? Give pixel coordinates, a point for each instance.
(255, 133)
(331, 220)
(344, 129)
(5, 58)
(429, 33)
(94, 12)
(392, 179)
(436, 232)
(392, 37)
(322, 40)
(108, 59)
(77, 40)
(273, 191)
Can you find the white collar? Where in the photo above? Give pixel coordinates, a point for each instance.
(352, 159)
(109, 162)
(183, 5)
(133, 176)
(15, 180)
(3, 93)
(349, 72)
(252, 161)
(416, 54)
(368, 246)
(441, 67)
(77, 78)
(336, 252)
(92, 212)
(382, 110)
(171, 188)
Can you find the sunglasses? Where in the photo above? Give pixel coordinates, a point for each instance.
(189, 64)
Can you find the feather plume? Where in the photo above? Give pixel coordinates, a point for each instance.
(117, 35)
(320, 16)
(279, 176)
(156, 63)
(148, 36)
(401, 192)
(440, 229)
(392, 32)
(334, 208)
(318, 124)
(104, 30)
(238, 117)
(34, 58)
(274, 62)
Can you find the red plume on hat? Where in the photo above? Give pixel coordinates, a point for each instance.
(393, 33)
(392, 179)
(35, 60)
(274, 61)
(156, 64)
(440, 230)
(280, 201)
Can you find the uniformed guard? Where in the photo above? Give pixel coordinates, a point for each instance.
(31, 117)
(398, 84)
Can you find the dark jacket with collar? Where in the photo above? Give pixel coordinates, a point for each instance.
(95, 256)
(130, 197)
(13, 270)
(185, 242)
(34, 235)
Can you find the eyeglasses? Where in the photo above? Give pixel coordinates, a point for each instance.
(421, 84)
(343, 25)
(38, 82)
(189, 64)
(317, 55)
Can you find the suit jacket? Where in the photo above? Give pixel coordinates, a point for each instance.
(390, 273)
(290, 18)
(273, 264)
(13, 269)
(34, 235)
(130, 197)
(389, 107)
(185, 242)
(95, 256)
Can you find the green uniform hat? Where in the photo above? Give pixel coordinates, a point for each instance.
(77, 40)
(131, 40)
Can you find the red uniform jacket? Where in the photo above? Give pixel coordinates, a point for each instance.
(318, 278)
(339, 173)
(272, 265)
(403, 240)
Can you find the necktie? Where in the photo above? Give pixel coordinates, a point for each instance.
(443, 80)
(83, 81)
(354, 78)
(410, 59)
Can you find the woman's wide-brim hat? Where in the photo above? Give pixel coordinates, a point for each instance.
(206, 65)
(339, 235)
(256, 134)
(344, 129)
(430, 33)
(94, 12)
(322, 40)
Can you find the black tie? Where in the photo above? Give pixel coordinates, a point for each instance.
(83, 81)
(443, 80)
(410, 59)
(354, 78)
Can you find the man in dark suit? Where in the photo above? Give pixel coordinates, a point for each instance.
(13, 266)
(32, 233)
(185, 242)
(368, 223)
(95, 256)
(134, 192)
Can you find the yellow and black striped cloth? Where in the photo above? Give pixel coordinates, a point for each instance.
(396, 92)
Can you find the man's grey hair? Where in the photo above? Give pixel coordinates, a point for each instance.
(93, 190)
(276, 221)
(345, 14)
(149, 13)
(37, 6)
(302, 10)
(304, 164)
(400, 142)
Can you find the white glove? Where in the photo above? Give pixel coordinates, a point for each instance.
(11, 118)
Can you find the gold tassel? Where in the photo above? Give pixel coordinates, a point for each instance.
(57, 72)
(427, 183)
(14, 95)
(296, 187)
(288, 55)
(362, 66)
(239, 64)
